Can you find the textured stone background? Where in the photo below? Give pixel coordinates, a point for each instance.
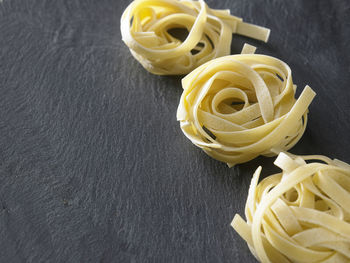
(93, 164)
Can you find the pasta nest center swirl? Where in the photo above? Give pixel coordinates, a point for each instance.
(238, 107)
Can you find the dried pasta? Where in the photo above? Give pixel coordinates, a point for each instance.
(241, 106)
(301, 214)
(145, 26)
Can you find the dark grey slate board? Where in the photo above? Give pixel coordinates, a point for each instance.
(93, 164)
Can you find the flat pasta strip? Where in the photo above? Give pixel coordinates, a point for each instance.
(146, 29)
(280, 223)
(243, 106)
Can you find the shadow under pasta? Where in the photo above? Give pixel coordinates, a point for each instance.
(179, 33)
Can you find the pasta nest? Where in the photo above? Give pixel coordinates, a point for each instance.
(238, 107)
(145, 26)
(301, 214)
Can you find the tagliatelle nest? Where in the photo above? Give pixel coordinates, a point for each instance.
(238, 107)
(301, 214)
(145, 26)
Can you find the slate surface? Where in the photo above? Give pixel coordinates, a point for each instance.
(93, 164)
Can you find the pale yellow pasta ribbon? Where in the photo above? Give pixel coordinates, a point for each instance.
(145, 26)
(238, 107)
(301, 214)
